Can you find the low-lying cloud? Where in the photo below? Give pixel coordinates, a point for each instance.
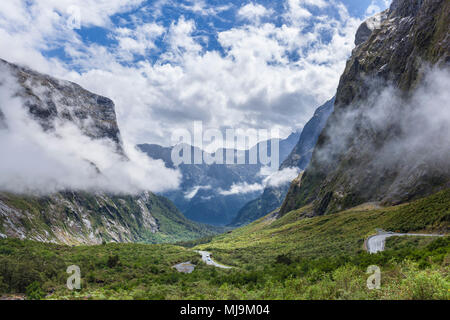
(38, 161)
(405, 137)
(242, 188)
(275, 179)
(281, 177)
(193, 191)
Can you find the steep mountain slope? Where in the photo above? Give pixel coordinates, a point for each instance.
(203, 195)
(86, 218)
(300, 157)
(48, 100)
(80, 217)
(302, 152)
(270, 200)
(388, 137)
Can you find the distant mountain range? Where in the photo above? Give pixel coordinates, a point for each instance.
(205, 194)
(299, 158)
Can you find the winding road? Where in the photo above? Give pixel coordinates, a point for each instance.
(206, 257)
(376, 243)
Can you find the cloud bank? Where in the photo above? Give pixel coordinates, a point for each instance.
(274, 179)
(405, 137)
(193, 191)
(38, 161)
(268, 70)
(281, 177)
(242, 188)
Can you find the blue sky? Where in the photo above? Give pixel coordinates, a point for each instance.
(207, 25)
(241, 64)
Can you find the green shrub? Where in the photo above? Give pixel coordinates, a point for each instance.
(3, 286)
(283, 259)
(113, 261)
(425, 285)
(34, 291)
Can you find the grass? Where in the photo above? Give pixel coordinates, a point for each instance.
(141, 271)
(399, 243)
(293, 257)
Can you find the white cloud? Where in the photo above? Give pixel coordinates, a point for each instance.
(193, 191)
(242, 188)
(297, 13)
(93, 12)
(181, 41)
(271, 179)
(140, 39)
(316, 3)
(254, 83)
(29, 27)
(200, 7)
(281, 177)
(254, 12)
(377, 6)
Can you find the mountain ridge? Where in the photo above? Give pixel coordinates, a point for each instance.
(199, 196)
(76, 216)
(350, 171)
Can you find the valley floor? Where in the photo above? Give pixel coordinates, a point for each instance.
(292, 257)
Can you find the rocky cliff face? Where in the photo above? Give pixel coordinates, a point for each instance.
(300, 157)
(48, 99)
(366, 152)
(82, 217)
(302, 152)
(86, 218)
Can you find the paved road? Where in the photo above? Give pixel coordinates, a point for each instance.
(206, 257)
(376, 243)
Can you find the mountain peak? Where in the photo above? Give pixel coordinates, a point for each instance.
(49, 99)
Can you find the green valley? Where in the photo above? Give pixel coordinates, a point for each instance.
(293, 257)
